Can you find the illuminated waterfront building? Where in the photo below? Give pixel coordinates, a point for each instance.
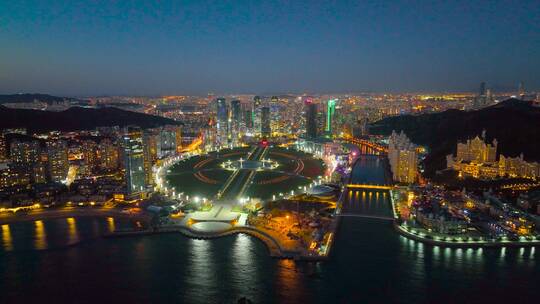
(134, 160)
(13, 175)
(476, 150)
(403, 158)
(478, 159)
(57, 154)
(518, 167)
(311, 119)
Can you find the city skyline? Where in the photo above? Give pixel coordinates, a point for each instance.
(182, 151)
(81, 49)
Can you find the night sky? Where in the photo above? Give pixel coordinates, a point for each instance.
(196, 47)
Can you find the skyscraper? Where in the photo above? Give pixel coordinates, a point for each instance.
(482, 91)
(236, 111)
(222, 121)
(311, 119)
(266, 130)
(330, 110)
(134, 160)
(256, 114)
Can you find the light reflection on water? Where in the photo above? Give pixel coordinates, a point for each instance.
(200, 266)
(40, 237)
(290, 281)
(110, 224)
(367, 254)
(73, 233)
(7, 242)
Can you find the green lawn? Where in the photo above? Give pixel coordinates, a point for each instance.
(182, 174)
(265, 192)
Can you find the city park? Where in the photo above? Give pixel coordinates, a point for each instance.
(275, 193)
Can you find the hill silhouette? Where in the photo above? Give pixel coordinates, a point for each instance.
(77, 118)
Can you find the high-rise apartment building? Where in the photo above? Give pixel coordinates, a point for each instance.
(108, 155)
(57, 158)
(24, 151)
(90, 160)
(403, 158)
(150, 149)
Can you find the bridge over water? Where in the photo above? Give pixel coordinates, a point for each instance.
(367, 193)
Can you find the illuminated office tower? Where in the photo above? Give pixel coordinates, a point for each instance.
(57, 157)
(222, 121)
(248, 118)
(265, 122)
(134, 160)
(311, 119)
(236, 111)
(108, 155)
(235, 121)
(256, 115)
(330, 112)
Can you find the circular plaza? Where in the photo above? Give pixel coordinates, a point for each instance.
(233, 174)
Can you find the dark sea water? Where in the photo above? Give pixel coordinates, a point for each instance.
(67, 261)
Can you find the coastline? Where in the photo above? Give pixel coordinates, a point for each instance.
(462, 244)
(47, 214)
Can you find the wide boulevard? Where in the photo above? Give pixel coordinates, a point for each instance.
(240, 179)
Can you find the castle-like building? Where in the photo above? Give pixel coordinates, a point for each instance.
(403, 158)
(478, 159)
